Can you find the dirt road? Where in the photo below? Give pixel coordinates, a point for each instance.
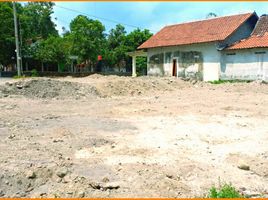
(109, 136)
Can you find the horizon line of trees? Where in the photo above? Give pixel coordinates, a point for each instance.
(86, 39)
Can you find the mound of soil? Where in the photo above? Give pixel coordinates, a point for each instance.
(127, 86)
(48, 89)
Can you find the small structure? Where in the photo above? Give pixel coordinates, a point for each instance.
(134, 55)
(202, 49)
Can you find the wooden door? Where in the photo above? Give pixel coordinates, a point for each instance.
(174, 68)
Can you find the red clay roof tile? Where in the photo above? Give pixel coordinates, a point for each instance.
(258, 38)
(215, 29)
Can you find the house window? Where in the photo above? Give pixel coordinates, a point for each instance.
(231, 54)
(260, 52)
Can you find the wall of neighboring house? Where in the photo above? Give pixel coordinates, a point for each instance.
(247, 64)
(201, 61)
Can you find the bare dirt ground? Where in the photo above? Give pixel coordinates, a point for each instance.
(109, 136)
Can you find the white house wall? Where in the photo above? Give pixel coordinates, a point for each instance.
(211, 60)
(248, 64)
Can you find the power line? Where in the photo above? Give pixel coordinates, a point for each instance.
(102, 18)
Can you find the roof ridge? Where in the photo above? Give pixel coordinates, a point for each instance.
(209, 19)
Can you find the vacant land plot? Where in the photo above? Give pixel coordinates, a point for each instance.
(109, 136)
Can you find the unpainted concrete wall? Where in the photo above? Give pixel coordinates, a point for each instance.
(208, 62)
(248, 64)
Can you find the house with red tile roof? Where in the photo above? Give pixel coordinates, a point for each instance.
(248, 58)
(202, 49)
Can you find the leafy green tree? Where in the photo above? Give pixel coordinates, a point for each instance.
(36, 22)
(7, 44)
(116, 46)
(51, 50)
(87, 38)
(119, 43)
(135, 38)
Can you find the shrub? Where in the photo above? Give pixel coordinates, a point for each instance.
(224, 191)
(34, 73)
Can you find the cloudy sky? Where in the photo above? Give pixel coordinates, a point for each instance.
(149, 15)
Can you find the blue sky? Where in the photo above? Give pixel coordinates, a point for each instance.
(151, 15)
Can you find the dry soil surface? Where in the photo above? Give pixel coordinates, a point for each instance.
(109, 136)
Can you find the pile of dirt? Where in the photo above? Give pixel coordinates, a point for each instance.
(92, 86)
(127, 86)
(47, 89)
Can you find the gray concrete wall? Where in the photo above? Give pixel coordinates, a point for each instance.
(248, 64)
(210, 66)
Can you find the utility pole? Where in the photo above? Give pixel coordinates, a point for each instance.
(17, 39)
(20, 45)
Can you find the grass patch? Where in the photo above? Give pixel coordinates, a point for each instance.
(19, 77)
(229, 81)
(224, 191)
(33, 73)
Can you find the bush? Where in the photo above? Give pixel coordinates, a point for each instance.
(34, 73)
(224, 191)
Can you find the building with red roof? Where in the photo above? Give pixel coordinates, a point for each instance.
(207, 49)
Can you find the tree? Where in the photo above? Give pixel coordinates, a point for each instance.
(51, 50)
(87, 38)
(36, 20)
(35, 24)
(116, 46)
(135, 38)
(116, 36)
(7, 39)
(119, 43)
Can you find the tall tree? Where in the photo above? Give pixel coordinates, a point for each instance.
(87, 37)
(35, 23)
(7, 39)
(51, 50)
(136, 38)
(36, 20)
(116, 45)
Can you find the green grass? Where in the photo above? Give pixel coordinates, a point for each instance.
(19, 77)
(229, 81)
(224, 191)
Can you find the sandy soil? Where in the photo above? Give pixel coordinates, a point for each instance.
(109, 136)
